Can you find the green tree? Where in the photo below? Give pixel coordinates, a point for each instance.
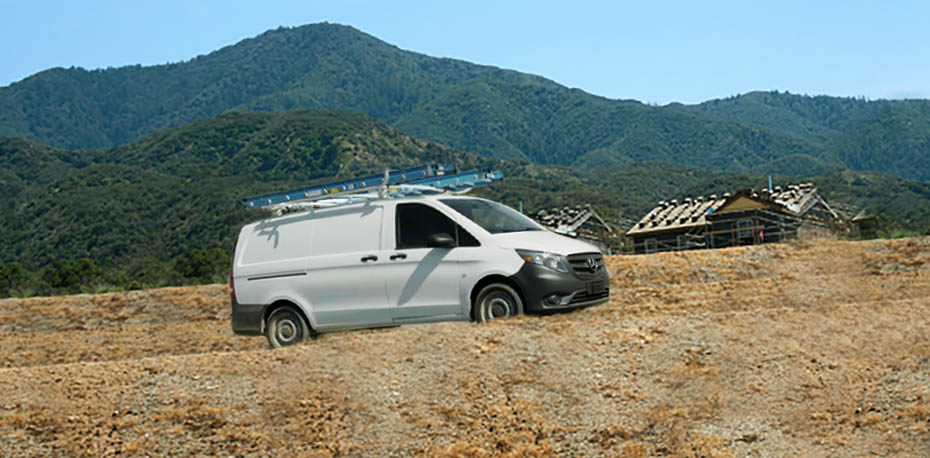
(71, 275)
(13, 276)
(202, 266)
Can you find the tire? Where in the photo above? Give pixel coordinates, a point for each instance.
(497, 301)
(285, 326)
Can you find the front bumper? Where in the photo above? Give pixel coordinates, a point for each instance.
(574, 291)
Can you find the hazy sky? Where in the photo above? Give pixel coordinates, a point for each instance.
(652, 51)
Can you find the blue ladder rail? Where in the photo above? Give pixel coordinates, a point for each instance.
(443, 177)
(342, 187)
(464, 180)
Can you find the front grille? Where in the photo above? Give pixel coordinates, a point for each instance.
(583, 267)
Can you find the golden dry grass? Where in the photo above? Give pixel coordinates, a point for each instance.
(811, 348)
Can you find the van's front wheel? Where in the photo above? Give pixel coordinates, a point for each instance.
(495, 301)
(285, 327)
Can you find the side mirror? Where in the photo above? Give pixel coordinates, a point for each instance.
(440, 240)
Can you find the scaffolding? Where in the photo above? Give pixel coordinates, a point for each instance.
(753, 227)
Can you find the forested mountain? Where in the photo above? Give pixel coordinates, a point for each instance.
(494, 112)
(188, 175)
(166, 209)
(169, 206)
(315, 66)
(890, 136)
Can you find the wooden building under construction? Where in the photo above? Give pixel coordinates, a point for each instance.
(581, 222)
(746, 217)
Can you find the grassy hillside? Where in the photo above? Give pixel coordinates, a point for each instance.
(297, 146)
(166, 210)
(494, 112)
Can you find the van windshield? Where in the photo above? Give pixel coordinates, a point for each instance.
(492, 216)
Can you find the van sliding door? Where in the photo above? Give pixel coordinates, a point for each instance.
(422, 283)
(342, 281)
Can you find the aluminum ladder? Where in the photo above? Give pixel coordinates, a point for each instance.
(427, 179)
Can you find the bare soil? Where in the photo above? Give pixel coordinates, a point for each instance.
(812, 348)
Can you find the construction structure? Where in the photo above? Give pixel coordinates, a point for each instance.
(581, 222)
(746, 217)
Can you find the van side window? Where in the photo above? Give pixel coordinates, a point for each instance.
(416, 222)
(465, 239)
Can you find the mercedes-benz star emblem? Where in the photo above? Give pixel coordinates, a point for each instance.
(593, 264)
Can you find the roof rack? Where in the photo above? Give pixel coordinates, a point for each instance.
(427, 179)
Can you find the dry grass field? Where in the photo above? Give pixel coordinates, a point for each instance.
(812, 348)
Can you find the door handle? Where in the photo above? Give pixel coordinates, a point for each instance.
(397, 256)
(370, 257)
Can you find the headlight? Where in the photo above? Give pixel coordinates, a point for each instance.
(552, 261)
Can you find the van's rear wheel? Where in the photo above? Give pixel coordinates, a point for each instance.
(496, 301)
(285, 327)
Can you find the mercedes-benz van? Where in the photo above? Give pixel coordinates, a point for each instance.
(408, 260)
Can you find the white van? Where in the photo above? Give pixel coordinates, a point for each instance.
(409, 260)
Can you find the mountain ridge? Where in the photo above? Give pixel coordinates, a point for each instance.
(483, 109)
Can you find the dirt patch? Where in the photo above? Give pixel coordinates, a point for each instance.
(803, 349)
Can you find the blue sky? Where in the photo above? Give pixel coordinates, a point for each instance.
(655, 52)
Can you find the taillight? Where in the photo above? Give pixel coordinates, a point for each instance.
(232, 287)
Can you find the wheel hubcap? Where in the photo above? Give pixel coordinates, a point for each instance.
(498, 306)
(286, 330)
